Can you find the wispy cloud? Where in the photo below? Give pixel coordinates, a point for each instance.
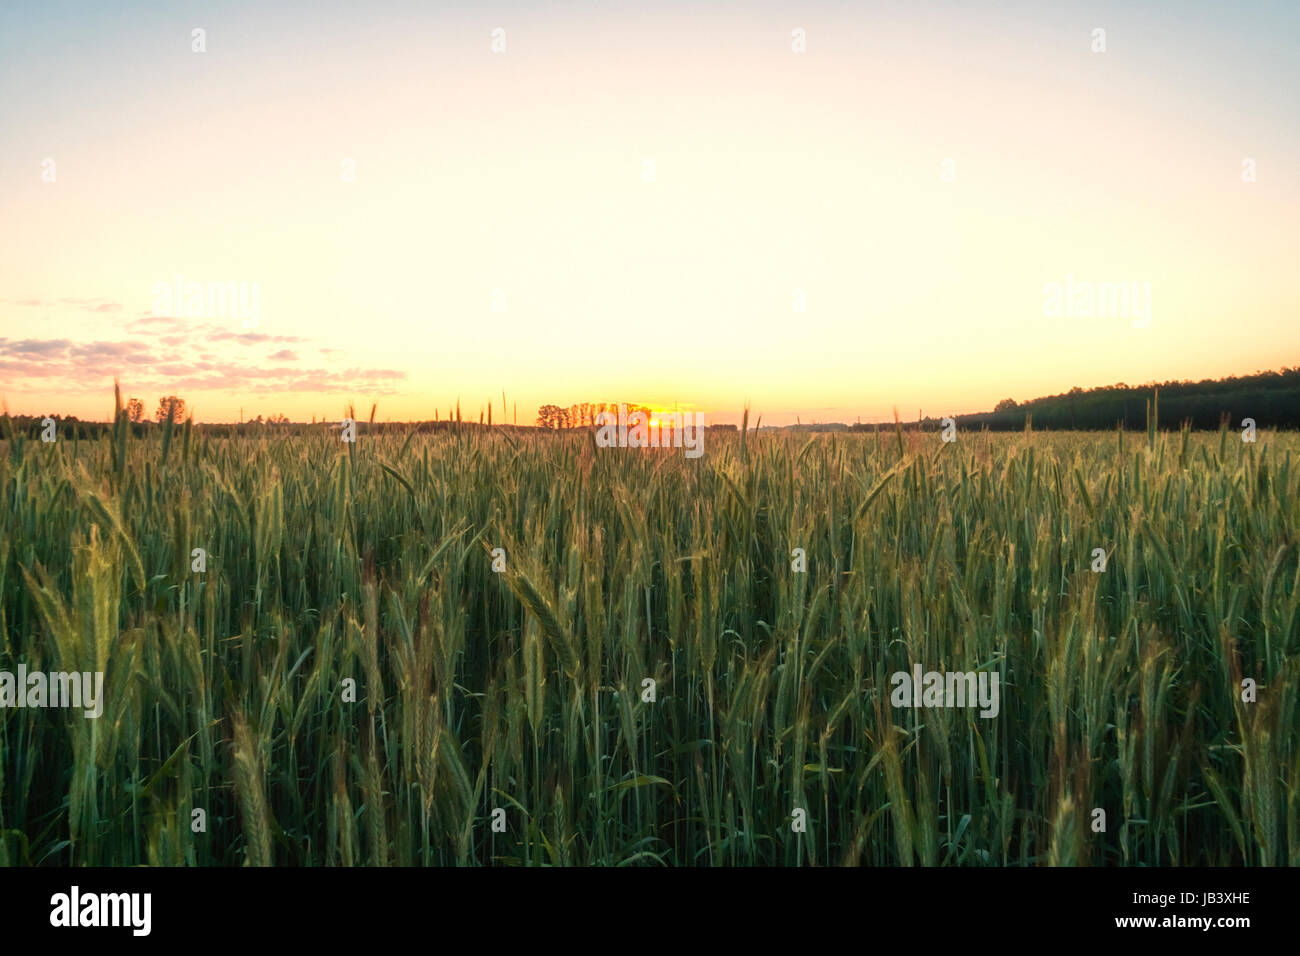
(35, 346)
(164, 321)
(94, 305)
(195, 356)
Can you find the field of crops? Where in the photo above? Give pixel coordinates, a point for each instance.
(331, 566)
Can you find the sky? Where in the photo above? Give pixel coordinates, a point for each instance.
(824, 209)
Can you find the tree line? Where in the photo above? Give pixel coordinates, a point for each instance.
(580, 415)
(1271, 398)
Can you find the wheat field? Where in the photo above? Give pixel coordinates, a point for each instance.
(350, 682)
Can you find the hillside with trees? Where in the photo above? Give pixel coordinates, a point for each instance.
(1271, 398)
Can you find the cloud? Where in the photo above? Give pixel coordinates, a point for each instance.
(34, 347)
(92, 366)
(94, 305)
(22, 369)
(100, 305)
(176, 356)
(208, 376)
(108, 350)
(215, 333)
(178, 330)
(170, 322)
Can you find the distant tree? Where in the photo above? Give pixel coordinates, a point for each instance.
(173, 404)
(135, 409)
(548, 416)
(1006, 405)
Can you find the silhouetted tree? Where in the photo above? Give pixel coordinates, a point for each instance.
(173, 404)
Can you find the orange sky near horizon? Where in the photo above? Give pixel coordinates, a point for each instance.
(663, 205)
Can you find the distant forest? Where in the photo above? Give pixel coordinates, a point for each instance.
(1272, 399)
